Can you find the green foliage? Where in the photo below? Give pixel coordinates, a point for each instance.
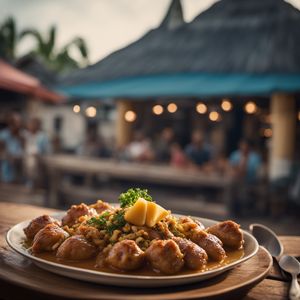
(8, 38)
(132, 195)
(45, 47)
(59, 60)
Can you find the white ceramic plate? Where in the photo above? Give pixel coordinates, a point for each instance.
(15, 237)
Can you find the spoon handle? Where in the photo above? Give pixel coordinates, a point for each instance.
(294, 289)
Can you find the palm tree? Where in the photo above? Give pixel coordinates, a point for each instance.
(57, 59)
(8, 39)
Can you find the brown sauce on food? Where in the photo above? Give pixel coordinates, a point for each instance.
(146, 271)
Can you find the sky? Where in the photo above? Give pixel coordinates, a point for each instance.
(106, 25)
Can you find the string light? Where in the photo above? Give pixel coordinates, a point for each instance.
(201, 108)
(226, 105)
(214, 116)
(172, 108)
(76, 109)
(130, 116)
(91, 111)
(158, 109)
(250, 107)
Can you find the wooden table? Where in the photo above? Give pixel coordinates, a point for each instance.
(273, 287)
(58, 165)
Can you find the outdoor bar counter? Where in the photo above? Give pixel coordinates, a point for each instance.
(20, 279)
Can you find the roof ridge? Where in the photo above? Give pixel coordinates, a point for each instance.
(174, 16)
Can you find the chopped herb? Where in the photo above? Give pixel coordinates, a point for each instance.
(100, 221)
(132, 195)
(177, 233)
(117, 222)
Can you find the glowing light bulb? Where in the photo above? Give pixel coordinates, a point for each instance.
(76, 109)
(91, 111)
(214, 116)
(130, 116)
(226, 105)
(250, 107)
(201, 108)
(158, 109)
(172, 108)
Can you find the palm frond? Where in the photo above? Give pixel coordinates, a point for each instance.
(50, 44)
(41, 47)
(81, 46)
(9, 37)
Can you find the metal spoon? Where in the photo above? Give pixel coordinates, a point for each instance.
(268, 239)
(291, 265)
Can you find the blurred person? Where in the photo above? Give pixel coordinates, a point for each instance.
(163, 145)
(11, 149)
(139, 149)
(221, 163)
(177, 156)
(36, 144)
(93, 146)
(198, 152)
(245, 164)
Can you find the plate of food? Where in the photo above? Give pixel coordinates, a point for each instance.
(135, 243)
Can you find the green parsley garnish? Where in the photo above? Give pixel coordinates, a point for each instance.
(117, 222)
(100, 221)
(132, 195)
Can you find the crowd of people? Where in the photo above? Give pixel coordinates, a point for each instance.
(21, 143)
(244, 163)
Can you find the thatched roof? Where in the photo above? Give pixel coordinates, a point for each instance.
(259, 37)
(235, 36)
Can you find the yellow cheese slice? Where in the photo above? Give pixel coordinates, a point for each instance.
(136, 214)
(155, 213)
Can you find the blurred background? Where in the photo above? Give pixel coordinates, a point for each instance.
(197, 101)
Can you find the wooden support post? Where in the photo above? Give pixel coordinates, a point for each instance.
(283, 117)
(123, 128)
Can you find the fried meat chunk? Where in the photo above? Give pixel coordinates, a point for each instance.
(125, 255)
(77, 211)
(195, 257)
(49, 238)
(165, 256)
(37, 224)
(76, 248)
(229, 233)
